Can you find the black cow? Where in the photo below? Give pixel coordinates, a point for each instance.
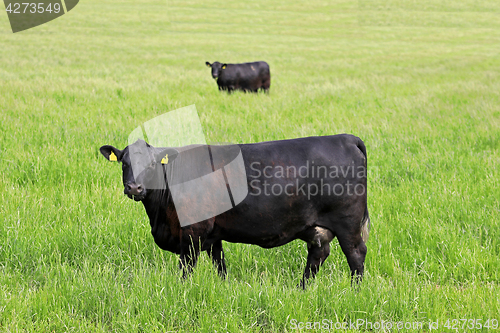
(313, 189)
(250, 76)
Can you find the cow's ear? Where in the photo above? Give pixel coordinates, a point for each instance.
(224, 66)
(111, 153)
(208, 64)
(166, 155)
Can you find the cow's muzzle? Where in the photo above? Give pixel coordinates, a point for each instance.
(135, 191)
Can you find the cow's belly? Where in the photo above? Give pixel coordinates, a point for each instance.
(265, 238)
(270, 225)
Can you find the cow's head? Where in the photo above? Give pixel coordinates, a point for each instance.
(142, 165)
(217, 68)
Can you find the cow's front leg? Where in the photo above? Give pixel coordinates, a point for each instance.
(190, 250)
(217, 254)
(315, 258)
(318, 245)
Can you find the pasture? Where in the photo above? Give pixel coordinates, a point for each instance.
(419, 83)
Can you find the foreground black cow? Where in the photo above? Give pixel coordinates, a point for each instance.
(313, 189)
(250, 76)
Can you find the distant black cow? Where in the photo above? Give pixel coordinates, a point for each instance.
(250, 76)
(313, 189)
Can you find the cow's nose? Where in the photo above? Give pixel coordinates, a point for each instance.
(134, 189)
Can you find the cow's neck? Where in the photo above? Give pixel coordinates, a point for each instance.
(165, 226)
(155, 205)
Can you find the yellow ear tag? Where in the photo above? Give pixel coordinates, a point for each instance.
(112, 157)
(224, 67)
(164, 160)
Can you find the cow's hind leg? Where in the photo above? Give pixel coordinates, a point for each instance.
(266, 85)
(318, 244)
(217, 254)
(354, 249)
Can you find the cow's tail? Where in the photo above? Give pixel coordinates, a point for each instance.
(365, 226)
(365, 223)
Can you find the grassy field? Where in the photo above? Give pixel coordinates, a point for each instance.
(418, 82)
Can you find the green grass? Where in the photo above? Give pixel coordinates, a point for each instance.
(419, 83)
